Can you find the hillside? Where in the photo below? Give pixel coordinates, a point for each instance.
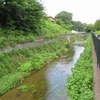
(10, 37)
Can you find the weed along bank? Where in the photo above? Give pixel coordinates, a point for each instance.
(40, 57)
(79, 85)
(49, 82)
(17, 64)
(34, 73)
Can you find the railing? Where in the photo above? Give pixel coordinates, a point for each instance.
(96, 41)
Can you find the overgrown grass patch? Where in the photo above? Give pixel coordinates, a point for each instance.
(52, 30)
(18, 63)
(11, 37)
(9, 81)
(14, 37)
(80, 84)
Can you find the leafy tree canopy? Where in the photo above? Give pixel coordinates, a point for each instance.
(21, 14)
(63, 18)
(89, 28)
(97, 25)
(78, 26)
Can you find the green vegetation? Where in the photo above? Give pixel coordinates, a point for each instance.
(78, 26)
(52, 30)
(31, 87)
(93, 27)
(89, 28)
(44, 82)
(27, 88)
(64, 19)
(22, 15)
(19, 21)
(13, 37)
(97, 32)
(49, 30)
(80, 84)
(15, 65)
(97, 25)
(22, 21)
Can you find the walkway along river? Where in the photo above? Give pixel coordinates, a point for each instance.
(49, 82)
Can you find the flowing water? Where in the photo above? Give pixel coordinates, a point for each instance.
(49, 83)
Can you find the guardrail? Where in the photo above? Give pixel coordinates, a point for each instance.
(96, 41)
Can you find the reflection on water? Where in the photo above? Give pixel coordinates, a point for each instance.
(56, 75)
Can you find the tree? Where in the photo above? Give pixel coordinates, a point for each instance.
(78, 26)
(63, 18)
(89, 28)
(97, 25)
(22, 14)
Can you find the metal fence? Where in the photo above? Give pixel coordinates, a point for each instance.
(96, 41)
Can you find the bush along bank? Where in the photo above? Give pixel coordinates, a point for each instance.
(12, 37)
(15, 65)
(80, 84)
(51, 30)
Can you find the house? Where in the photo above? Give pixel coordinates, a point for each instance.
(51, 18)
(75, 32)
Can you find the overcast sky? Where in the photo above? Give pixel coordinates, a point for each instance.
(86, 11)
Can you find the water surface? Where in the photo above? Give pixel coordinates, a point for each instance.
(49, 81)
(57, 72)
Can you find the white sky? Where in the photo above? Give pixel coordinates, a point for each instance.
(86, 11)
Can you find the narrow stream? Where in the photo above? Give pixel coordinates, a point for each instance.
(49, 81)
(57, 73)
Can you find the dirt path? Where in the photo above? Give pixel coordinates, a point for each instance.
(26, 45)
(96, 75)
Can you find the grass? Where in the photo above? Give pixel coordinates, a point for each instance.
(80, 84)
(51, 29)
(19, 63)
(97, 32)
(13, 37)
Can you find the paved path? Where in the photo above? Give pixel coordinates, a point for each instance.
(26, 45)
(96, 75)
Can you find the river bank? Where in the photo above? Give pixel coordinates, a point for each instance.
(17, 64)
(49, 82)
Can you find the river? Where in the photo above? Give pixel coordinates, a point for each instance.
(48, 83)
